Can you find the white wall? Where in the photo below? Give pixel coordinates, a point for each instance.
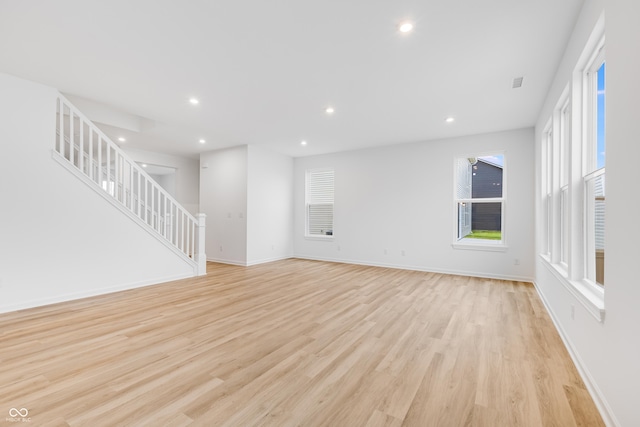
(246, 193)
(607, 353)
(400, 198)
(223, 198)
(270, 206)
(621, 338)
(168, 182)
(60, 240)
(187, 176)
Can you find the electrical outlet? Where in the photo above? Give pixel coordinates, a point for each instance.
(385, 251)
(338, 247)
(403, 253)
(516, 261)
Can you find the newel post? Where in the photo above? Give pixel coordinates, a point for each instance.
(201, 257)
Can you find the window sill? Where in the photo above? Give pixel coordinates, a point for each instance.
(480, 245)
(591, 296)
(328, 238)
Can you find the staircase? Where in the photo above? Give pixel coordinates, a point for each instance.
(88, 153)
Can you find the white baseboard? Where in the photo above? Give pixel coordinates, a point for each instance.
(376, 264)
(226, 261)
(266, 260)
(595, 392)
(39, 302)
(249, 263)
(420, 268)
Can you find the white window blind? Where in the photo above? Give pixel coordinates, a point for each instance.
(320, 188)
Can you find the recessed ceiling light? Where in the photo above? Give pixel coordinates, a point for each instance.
(144, 165)
(122, 139)
(405, 27)
(329, 110)
(303, 143)
(450, 119)
(194, 101)
(202, 141)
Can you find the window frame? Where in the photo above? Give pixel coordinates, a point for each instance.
(574, 157)
(547, 188)
(590, 108)
(480, 244)
(307, 234)
(590, 170)
(564, 170)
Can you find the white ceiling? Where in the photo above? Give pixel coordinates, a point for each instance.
(265, 70)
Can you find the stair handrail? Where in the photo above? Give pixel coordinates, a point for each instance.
(126, 182)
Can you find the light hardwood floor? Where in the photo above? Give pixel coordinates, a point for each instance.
(295, 343)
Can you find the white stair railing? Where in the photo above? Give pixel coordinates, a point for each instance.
(90, 152)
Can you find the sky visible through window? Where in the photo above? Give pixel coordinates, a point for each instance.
(600, 159)
(496, 159)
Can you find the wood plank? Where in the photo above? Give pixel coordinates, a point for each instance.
(295, 342)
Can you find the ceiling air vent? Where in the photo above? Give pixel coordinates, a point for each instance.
(517, 82)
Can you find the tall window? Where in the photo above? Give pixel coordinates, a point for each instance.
(319, 202)
(573, 158)
(594, 171)
(547, 189)
(565, 141)
(479, 199)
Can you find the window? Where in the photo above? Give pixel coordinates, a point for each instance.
(547, 186)
(479, 200)
(573, 158)
(594, 170)
(565, 141)
(319, 202)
